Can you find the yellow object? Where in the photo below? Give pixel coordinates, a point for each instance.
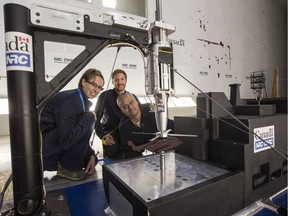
(275, 87)
(103, 141)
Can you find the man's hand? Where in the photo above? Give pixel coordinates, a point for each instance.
(90, 168)
(109, 139)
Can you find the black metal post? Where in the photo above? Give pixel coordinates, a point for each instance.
(25, 141)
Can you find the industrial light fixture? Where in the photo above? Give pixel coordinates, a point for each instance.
(109, 3)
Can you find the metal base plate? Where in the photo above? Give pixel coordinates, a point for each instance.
(144, 176)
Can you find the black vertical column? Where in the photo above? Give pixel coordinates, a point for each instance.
(23, 119)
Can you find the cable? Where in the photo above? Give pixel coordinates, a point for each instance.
(211, 99)
(118, 45)
(102, 105)
(6, 185)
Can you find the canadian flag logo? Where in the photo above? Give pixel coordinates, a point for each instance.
(24, 39)
(19, 51)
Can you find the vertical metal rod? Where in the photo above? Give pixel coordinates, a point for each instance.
(27, 170)
(158, 10)
(162, 160)
(161, 33)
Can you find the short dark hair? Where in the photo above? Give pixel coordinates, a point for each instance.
(89, 74)
(118, 71)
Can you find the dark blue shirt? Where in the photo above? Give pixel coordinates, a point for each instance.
(70, 124)
(108, 114)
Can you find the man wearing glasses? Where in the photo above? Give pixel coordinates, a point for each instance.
(67, 124)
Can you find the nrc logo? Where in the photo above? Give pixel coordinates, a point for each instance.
(17, 59)
(264, 145)
(19, 51)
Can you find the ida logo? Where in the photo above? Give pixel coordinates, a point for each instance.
(264, 138)
(19, 51)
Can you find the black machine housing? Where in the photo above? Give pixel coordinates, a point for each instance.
(221, 142)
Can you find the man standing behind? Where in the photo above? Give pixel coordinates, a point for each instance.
(109, 115)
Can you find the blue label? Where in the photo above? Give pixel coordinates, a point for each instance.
(17, 59)
(262, 145)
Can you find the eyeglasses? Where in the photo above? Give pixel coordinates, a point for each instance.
(126, 106)
(95, 85)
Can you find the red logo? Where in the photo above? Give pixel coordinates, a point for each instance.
(24, 39)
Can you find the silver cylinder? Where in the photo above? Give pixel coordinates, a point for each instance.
(158, 15)
(162, 160)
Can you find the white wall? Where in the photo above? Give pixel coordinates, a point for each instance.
(254, 37)
(222, 43)
(216, 43)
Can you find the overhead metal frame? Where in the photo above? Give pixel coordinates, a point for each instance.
(95, 38)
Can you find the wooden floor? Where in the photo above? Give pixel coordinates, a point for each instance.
(5, 166)
(8, 196)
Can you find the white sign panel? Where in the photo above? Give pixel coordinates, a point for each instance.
(19, 52)
(267, 135)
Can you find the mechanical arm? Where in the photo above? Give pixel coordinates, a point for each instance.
(160, 69)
